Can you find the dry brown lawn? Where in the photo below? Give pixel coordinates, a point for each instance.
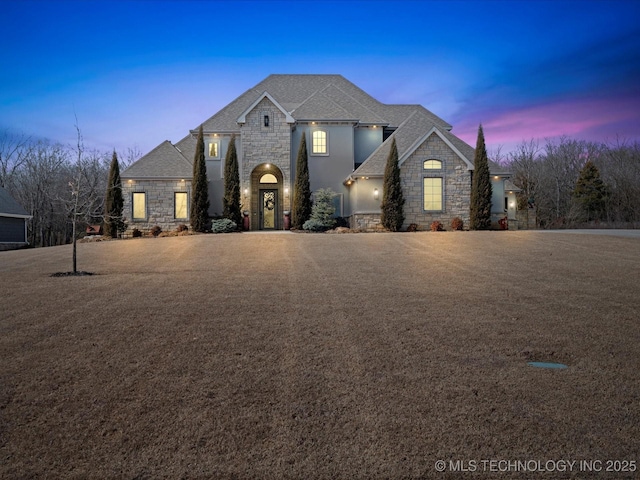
(320, 356)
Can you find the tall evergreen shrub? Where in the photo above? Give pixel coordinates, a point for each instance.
(480, 207)
(199, 189)
(231, 200)
(591, 193)
(392, 199)
(301, 208)
(114, 201)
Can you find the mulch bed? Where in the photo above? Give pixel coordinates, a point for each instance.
(320, 356)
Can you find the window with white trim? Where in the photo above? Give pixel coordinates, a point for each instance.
(319, 143)
(139, 205)
(214, 149)
(433, 195)
(181, 205)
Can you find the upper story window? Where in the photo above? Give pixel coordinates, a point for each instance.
(319, 143)
(214, 149)
(432, 165)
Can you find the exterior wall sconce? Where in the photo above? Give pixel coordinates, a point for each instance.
(246, 191)
(266, 120)
(375, 193)
(286, 190)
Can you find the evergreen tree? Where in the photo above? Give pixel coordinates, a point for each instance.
(591, 193)
(392, 216)
(231, 200)
(114, 201)
(480, 209)
(322, 212)
(301, 208)
(199, 188)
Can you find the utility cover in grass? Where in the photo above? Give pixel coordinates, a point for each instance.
(548, 365)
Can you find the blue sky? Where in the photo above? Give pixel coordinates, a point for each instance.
(139, 72)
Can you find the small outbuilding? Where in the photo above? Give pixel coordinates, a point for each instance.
(13, 222)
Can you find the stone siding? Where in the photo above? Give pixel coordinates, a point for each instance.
(262, 145)
(366, 222)
(456, 185)
(526, 219)
(159, 203)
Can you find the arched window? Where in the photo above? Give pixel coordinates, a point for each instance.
(268, 178)
(432, 165)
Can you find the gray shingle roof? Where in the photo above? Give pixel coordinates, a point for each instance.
(306, 97)
(315, 97)
(417, 123)
(164, 161)
(9, 207)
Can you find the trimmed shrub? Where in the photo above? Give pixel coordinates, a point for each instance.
(182, 228)
(223, 225)
(315, 226)
(136, 233)
(156, 230)
(413, 227)
(436, 226)
(457, 223)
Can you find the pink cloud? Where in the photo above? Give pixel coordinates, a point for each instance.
(596, 120)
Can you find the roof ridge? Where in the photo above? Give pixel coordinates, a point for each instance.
(356, 100)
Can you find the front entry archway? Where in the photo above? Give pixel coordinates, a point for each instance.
(267, 198)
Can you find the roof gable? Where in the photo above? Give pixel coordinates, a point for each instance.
(434, 131)
(320, 107)
(164, 161)
(242, 118)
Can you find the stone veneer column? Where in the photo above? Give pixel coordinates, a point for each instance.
(262, 144)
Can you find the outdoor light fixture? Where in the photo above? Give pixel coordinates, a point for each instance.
(286, 190)
(268, 165)
(375, 193)
(246, 190)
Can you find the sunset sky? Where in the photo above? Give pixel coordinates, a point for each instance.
(139, 72)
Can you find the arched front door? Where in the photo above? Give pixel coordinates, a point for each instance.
(266, 198)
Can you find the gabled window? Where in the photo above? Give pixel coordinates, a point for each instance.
(432, 191)
(139, 205)
(181, 202)
(319, 142)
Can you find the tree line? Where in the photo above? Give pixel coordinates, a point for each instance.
(55, 182)
(573, 183)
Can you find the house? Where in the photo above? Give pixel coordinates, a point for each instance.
(13, 222)
(348, 134)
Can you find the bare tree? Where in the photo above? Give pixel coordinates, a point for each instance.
(14, 150)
